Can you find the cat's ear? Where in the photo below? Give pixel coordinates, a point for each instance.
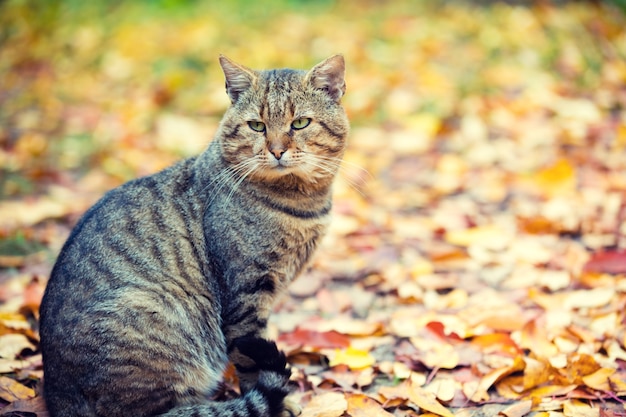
(329, 76)
(238, 78)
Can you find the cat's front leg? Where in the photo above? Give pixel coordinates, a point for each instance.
(246, 318)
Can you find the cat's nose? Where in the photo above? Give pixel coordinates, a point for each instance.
(278, 152)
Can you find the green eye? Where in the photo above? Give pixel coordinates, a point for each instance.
(257, 126)
(300, 123)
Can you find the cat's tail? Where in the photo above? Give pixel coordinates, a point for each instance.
(265, 399)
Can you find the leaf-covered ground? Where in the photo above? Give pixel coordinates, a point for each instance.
(476, 264)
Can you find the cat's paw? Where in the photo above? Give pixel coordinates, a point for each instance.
(292, 409)
(264, 353)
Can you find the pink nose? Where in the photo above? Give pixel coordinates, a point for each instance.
(277, 152)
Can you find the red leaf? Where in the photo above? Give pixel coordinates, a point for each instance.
(613, 262)
(439, 330)
(319, 340)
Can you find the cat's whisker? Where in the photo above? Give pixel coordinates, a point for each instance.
(346, 165)
(330, 166)
(254, 165)
(232, 175)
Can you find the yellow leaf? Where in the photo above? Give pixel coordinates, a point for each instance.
(330, 404)
(11, 390)
(535, 373)
(551, 391)
(360, 405)
(576, 408)
(354, 358)
(599, 380)
(557, 179)
(489, 236)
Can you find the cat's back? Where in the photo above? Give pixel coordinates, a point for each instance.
(129, 273)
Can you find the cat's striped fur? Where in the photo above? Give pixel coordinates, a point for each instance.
(170, 276)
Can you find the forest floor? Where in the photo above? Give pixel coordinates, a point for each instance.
(476, 262)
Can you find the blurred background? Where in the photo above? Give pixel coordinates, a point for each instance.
(463, 113)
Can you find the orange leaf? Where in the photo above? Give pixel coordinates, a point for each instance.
(319, 340)
(599, 380)
(496, 342)
(360, 405)
(557, 179)
(494, 376)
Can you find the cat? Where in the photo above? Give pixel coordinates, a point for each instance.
(169, 277)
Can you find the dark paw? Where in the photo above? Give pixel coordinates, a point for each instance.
(264, 353)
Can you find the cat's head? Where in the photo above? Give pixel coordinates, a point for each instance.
(283, 124)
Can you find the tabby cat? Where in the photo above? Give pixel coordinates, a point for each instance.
(169, 277)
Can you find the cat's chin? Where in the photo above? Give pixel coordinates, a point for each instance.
(289, 174)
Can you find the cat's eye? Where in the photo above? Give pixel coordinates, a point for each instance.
(300, 123)
(257, 126)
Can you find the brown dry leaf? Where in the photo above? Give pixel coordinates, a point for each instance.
(579, 366)
(536, 372)
(25, 407)
(518, 409)
(329, 404)
(481, 392)
(426, 400)
(11, 390)
(361, 405)
(443, 388)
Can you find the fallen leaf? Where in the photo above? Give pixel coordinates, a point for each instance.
(492, 377)
(576, 408)
(329, 404)
(610, 262)
(600, 379)
(26, 408)
(595, 297)
(443, 388)
(354, 358)
(319, 340)
(496, 343)
(518, 409)
(361, 405)
(488, 236)
(11, 345)
(426, 400)
(11, 390)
